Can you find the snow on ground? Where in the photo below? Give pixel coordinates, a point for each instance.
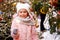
(48, 36)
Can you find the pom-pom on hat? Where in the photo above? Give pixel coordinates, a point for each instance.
(23, 6)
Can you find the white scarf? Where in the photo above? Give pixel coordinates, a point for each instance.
(26, 20)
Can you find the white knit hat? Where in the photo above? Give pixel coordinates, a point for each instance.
(23, 6)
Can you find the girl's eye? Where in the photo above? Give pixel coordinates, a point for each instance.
(25, 11)
(20, 12)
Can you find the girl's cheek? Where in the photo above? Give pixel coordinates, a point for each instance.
(19, 14)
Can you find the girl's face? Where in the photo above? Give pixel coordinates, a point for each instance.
(23, 13)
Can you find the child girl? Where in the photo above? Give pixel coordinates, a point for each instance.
(23, 28)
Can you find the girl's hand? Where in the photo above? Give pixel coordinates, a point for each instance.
(15, 31)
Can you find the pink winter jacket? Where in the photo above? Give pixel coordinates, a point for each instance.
(24, 32)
